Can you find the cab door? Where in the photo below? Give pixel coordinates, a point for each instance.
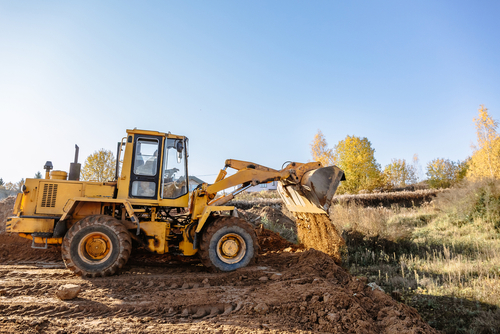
(146, 167)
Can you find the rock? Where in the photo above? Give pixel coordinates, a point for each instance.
(375, 286)
(205, 281)
(326, 297)
(333, 317)
(185, 312)
(261, 308)
(276, 277)
(68, 291)
(263, 278)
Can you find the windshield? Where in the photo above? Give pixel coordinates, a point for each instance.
(174, 169)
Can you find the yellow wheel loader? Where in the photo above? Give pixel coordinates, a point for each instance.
(152, 203)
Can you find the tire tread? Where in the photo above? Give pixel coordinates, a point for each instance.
(125, 244)
(217, 224)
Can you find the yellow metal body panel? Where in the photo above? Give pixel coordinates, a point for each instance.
(29, 225)
(53, 195)
(84, 209)
(29, 200)
(99, 190)
(157, 230)
(73, 204)
(206, 213)
(17, 204)
(40, 240)
(187, 247)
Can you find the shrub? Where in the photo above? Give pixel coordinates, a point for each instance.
(472, 200)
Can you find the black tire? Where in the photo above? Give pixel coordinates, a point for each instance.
(96, 246)
(227, 244)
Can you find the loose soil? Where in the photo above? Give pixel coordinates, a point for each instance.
(317, 231)
(289, 290)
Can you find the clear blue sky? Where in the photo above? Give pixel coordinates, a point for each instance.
(249, 80)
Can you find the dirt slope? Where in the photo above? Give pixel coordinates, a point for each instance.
(6, 206)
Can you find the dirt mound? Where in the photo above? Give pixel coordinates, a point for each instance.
(270, 241)
(317, 231)
(301, 292)
(333, 301)
(6, 206)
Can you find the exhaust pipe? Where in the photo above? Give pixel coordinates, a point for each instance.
(74, 167)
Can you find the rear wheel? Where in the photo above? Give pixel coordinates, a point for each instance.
(227, 244)
(96, 246)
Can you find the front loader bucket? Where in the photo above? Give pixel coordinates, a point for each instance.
(315, 191)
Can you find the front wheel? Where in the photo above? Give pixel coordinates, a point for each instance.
(96, 246)
(228, 243)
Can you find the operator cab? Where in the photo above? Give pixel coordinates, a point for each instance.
(158, 165)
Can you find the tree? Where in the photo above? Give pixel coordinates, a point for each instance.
(400, 174)
(10, 186)
(1, 183)
(485, 160)
(444, 173)
(355, 156)
(320, 151)
(99, 166)
(38, 175)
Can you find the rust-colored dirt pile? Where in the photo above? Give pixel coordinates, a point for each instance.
(6, 206)
(317, 231)
(270, 241)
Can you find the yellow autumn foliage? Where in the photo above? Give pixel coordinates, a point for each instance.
(99, 166)
(320, 151)
(485, 160)
(355, 156)
(399, 173)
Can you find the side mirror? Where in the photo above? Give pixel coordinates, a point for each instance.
(180, 148)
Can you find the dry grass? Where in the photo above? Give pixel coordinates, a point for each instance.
(442, 258)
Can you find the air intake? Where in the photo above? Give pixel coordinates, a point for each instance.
(49, 195)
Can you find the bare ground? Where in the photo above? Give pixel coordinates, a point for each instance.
(289, 290)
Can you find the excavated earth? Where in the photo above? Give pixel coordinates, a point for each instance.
(289, 290)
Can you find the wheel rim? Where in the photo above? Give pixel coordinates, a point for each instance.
(231, 248)
(95, 248)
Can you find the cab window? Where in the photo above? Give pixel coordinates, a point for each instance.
(146, 157)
